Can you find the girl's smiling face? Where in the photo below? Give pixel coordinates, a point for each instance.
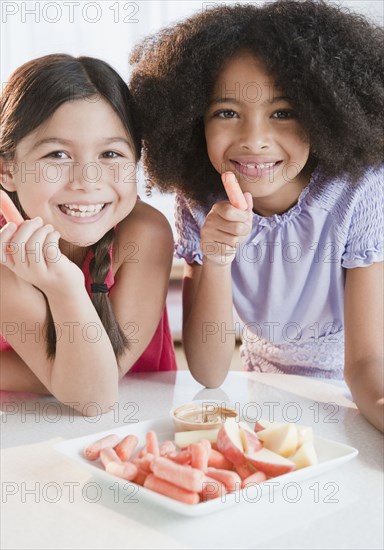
(252, 130)
(77, 171)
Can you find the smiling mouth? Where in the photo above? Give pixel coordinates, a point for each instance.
(257, 166)
(81, 210)
(256, 169)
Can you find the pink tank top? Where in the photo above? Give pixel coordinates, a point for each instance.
(159, 354)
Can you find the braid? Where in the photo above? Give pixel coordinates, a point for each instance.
(98, 268)
(50, 333)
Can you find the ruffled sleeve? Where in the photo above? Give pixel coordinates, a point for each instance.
(366, 231)
(188, 223)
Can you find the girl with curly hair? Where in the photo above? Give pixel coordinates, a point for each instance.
(285, 100)
(83, 289)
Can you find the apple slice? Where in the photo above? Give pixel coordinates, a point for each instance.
(305, 456)
(304, 435)
(229, 441)
(183, 439)
(270, 463)
(281, 439)
(251, 443)
(263, 424)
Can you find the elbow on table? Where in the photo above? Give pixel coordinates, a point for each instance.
(90, 403)
(209, 380)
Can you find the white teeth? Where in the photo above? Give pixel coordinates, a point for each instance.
(82, 210)
(260, 166)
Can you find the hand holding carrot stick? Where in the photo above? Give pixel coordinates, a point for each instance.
(9, 210)
(235, 195)
(227, 224)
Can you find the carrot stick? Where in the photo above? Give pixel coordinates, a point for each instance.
(233, 190)
(180, 457)
(217, 460)
(144, 462)
(9, 210)
(167, 447)
(199, 456)
(125, 470)
(212, 489)
(108, 455)
(230, 479)
(92, 452)
(152, 444)
(125, 448)
(185, 477)
(257, 477)
(168, 489)
(140, 477)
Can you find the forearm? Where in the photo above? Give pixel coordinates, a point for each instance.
(84, 369)
(366, 382)
(208, 331)
(15, 375)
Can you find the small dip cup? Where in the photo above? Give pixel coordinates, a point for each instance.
(202, 415)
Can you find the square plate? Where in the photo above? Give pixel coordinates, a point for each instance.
(330, 454)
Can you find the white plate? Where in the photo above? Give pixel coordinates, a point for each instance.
(330, 454)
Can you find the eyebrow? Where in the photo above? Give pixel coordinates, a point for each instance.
(62, 141)
(235, 101)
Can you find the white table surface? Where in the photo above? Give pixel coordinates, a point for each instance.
(42, 501)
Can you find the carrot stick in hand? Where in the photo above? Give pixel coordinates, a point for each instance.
(233, 190)
(9, 210)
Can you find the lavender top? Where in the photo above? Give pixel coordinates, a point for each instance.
(288, 276)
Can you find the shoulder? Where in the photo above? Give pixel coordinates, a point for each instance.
(145, 230)
(371, 182)
(143, 221)
(343, 199)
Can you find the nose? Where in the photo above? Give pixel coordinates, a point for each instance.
(256, 134)
(86, 176)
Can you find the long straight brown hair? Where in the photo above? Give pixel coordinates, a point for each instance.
(33, 93)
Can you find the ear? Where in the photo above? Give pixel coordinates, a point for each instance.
(8, 170)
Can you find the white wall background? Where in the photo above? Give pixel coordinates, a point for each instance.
(105, 29)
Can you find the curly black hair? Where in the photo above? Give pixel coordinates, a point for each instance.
(327, 60)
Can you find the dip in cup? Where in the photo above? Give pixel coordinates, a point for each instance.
(202, 415)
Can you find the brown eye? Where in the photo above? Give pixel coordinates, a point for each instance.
(226, 113)
(57, 155)
(111, 155)
(283, 114)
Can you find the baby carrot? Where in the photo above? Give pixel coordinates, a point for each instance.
(217, 460)
(180, 457)
(92, 452)
(125, 448)
(125, 470)
(140, 477)
(199, 456)
(230, 479)
(166, 448)
(257, 477)
(168, 489)
(9, 210)
(152, 444)
(185, 477)
(144, 462)
(212, 488)
(233, 190)
(108, 455)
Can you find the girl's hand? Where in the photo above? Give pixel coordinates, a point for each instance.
(224, 229)
(227, 224)
(32, 252)
(9, 210)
